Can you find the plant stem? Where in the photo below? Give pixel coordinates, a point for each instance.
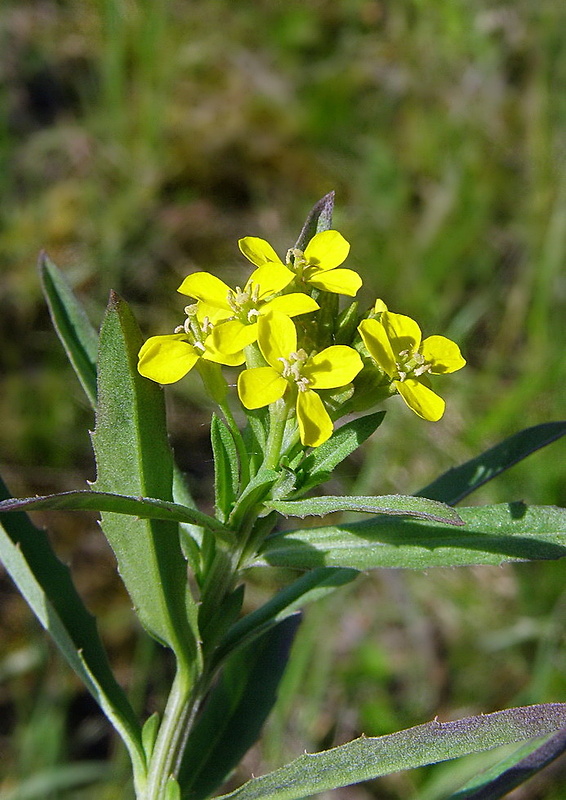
(278, 413)
(166, 755)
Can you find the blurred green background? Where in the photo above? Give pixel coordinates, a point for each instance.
(138, 141)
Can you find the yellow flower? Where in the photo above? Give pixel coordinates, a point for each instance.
(395, 344)
(240, 309)
(294, 370)
(316, 265)
(168, 358)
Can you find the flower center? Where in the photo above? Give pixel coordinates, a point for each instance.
(297, 262)
(411, 364)
(196, 330)
(292, 369)
(244, 303)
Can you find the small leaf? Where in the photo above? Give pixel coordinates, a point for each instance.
(172, 789)
(319, 219)
(253, 495)
(226, 467)
(490, 535)
(141, 507)
(235, 711)
(454, 485)
(344, 441)
(73, 327)
(369, 758)
(149, 734)
(387, 504)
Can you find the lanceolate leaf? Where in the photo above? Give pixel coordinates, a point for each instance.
(345, 440)
(235, 711)
(226, 466)
(133, 457)
(368, 758)
(142, 507)
(47, 587)
(458, 483)
(75, 331)
(388, 504)
(319, 219)
(490, 535)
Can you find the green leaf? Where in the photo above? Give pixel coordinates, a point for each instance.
(235, 711)
(46, 585)
(345, 440)
(454, 485)
(253, 495)
(142, 507)
(513, 771)
(226, 467)
(490, 535)
(311, 586)
(319, 219)
(133, 458)
(387, 504)
(73, 327)
(369, 758)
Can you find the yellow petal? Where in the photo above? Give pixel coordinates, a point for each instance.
(232, 336)
(379, 306)
(260, 386)
(291, 304)
(277, 338)
(337, 281)
(257, 250)
(335, 366)
(377, 343)
(420, 399)
(270, 278)
(212, 313)
(315, 426)
(327, 249)
(403, 332)
(212, 353)
(206, 287)
(166, 359)
(443, 354)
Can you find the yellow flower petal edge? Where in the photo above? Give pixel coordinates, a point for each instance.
(269, 279)
(337, 281)
(260, 386)
(277, 338)
(420, 399)
(335, 366)
(443, 354)
(327, 250)
(292, 304)
(206, 287)
(258, 251)
(378, 345)
(166, 359)
(315, 425)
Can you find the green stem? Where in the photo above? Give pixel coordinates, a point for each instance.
(278, 413)
(166, 755)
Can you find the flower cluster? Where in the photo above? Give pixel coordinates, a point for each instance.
(286, 367)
